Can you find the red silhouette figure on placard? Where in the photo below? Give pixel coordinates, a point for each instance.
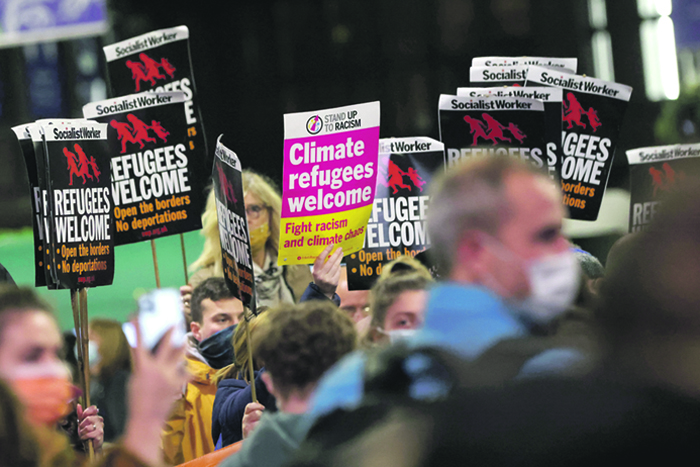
(226, 186)
(666, 180)
(573, 113)
(593, 119)
(495, 129)
(84, 163)
(394, 177)
(416, 179)
(138, 73)
(124, 133)
(477, 128)
(140, 130)
(515, 131)
(167, 67)
(151, 67)
(72, 166)
(160, 132)
(95, 170)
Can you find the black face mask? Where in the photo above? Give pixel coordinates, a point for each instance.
(217, 349)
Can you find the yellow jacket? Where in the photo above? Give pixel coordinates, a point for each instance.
(187, 433)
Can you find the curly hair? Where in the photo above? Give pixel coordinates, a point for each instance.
(300, 342)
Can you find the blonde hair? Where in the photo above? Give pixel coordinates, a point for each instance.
(258, 185)
(115, 353)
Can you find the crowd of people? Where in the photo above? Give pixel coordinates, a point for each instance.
(525, 349)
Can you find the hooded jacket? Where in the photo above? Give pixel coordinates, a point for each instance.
(187, 433)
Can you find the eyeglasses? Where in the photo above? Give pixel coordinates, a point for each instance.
(253, 211)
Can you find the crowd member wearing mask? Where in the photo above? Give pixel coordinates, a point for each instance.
(32, 366)
(273, 284)
(495, 229)
(397, 302)
(110, 367)
(215, 314)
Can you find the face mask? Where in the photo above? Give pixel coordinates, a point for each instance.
(93, 354)
(554, 282)
(45, 392)
(396, 335)
(258, 237)
(217, 349)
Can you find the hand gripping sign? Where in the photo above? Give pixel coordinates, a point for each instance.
(160, 61)
(330, 174)
(568, 64)
(592, 117)
(397, 225)
(492, 126)
(80, 202)
(654, 172)
(154, 173)
(237, 258)
(551, 97)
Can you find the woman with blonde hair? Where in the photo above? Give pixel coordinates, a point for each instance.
(110, 365)
(273, 284)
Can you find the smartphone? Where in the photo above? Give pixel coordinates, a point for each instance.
(158, 311)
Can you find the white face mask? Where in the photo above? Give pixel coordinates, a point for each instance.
(93, 354)
(396, 335)
(554, 282)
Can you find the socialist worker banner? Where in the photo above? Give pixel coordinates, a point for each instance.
(80, 203)
(330, 175)
(593, 113)
(568, 64)
(154, 171)
(508, 75)
(237, 259)
(552, 113)
(397, 225)
(24, 138)
(654, 172)
(492, 126)
(160, 61)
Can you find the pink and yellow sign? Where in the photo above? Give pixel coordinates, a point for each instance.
(330, 174)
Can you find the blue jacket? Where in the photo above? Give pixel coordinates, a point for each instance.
(464, 319)
(232, 396)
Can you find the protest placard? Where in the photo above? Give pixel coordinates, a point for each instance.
(153, 170)
(552, 98)
(568, 64)
(237, 259)
(330, 174)
(397, 225)
(492, 126)
(593, 113)
(655, 171)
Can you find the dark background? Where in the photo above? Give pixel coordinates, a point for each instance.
(255, 61)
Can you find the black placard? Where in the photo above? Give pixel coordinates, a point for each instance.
(551, 97)
(397, 225)
(236, 254)
(593, 111)
(492, 126)
(155, 174)
(160, 61)
(80, 203)
(654, 172)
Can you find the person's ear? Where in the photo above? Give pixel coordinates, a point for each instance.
(267, 379)
(196, 330)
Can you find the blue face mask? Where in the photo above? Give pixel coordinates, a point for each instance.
(217, 349)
